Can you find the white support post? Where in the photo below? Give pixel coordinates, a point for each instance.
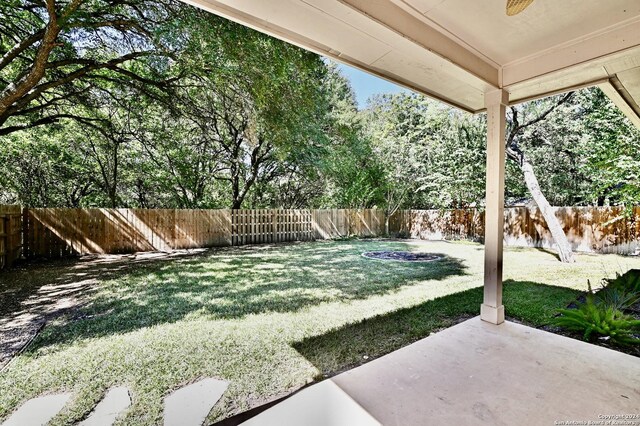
(492, 309)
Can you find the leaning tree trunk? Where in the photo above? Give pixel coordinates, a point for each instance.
(562, 243)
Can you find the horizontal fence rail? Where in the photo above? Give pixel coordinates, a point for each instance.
(588, 229)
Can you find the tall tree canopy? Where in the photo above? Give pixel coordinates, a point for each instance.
(172, 105)
(58, 54)
(153, 103)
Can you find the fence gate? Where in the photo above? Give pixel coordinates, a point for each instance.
(270, 226)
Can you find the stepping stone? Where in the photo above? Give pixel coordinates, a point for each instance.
(38, 411)
(115, 402)
(190, 405)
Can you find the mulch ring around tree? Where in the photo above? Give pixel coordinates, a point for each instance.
(401, 256)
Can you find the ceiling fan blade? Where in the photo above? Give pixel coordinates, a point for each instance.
(516, 6)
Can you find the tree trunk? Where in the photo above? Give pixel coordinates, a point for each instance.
(515, 154)
(388, 215)
(564, 248)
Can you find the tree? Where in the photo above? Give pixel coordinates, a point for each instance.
(44, 169)
(105, 142)
(517, 155)
(353, 174)
(153, 103)
(247, 105)
(58, 53)
(612, 152)
(432, 155)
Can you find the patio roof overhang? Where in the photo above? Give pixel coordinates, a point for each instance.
(458, 50)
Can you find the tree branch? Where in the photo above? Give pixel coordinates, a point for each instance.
(14, 92)
(20, 47)
(52, 119)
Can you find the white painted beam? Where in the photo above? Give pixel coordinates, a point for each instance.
(337, 30)
(615, 96)
(418, 31)
(596, 46)
(492, 309)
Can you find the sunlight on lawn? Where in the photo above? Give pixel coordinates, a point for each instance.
(272, 319)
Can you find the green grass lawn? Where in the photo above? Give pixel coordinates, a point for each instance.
(270, 319)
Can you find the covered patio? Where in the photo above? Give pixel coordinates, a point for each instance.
(475, 373)
(472, 55)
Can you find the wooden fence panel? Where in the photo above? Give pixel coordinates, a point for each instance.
(63, 232)
(330, 223)
(366, 222)
(10, 234)
(588, 229)
(338, 223)
(270, 226)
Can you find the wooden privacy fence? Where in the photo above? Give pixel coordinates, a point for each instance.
(589, 229)
(61, 232)
(10, 234)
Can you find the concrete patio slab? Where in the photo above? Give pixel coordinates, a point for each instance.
(324, 404)
(190, 405)
(38, 411)
(105, 413)
(476, 373)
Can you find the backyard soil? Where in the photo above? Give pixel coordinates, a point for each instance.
(402, 256)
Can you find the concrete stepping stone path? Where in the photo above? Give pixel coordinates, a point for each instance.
(187, 406)
(38, 411)
(115, 402)
(190, 405)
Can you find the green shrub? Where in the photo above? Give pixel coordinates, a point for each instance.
(621, 292)
(599, 320)
(616, 298)
(627, 283)
(403, 234)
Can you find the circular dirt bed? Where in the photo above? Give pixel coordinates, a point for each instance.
(401, 256)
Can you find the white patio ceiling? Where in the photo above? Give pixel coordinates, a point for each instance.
(456, 50)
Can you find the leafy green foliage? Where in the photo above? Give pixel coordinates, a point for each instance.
(154, 103)
(614, 151)
(433, 156)
(603, 313)
(621, 292)
(93, 46)
(353, 175)
(587, 150)
(593, 320)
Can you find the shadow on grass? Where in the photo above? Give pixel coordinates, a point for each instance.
(347, 347)
(231, 284)
(520, 249)
(39, 282)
